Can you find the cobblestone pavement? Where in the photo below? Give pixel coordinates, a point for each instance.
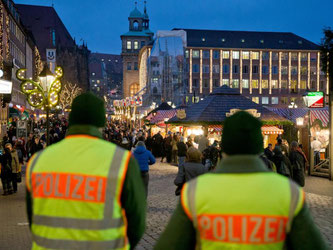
(161, 203)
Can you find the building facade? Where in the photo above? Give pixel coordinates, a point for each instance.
(106, 75)
(270, 68)
(49, 32)
(138, 36)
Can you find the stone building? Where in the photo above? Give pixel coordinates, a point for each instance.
(49, 32)
(138, 36)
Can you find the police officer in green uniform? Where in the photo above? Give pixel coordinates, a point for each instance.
(242, 205)
(84, 192)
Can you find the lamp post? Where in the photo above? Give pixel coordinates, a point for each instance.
(43, 93)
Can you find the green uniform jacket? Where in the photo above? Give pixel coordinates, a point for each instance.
(133, 197)
(180, 233)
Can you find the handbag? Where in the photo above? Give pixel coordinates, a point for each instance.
(19, 177)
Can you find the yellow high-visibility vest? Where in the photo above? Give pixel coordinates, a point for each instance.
(241, 211)
(76, 187)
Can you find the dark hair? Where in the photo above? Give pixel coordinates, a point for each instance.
(279, 141)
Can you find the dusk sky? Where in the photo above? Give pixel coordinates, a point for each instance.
(101, 22)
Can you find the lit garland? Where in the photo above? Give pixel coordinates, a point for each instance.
(7, 36)
(35, 93)
(1, 34)
(38, 62)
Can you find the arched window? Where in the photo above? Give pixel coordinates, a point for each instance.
(135, 25)
(134, 88)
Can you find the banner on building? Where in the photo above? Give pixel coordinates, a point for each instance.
(51, 55)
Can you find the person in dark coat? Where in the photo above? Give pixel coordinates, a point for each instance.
(6, 172)
(297, 162)
(157, 144)
(168, 147)
(282, 163)
(182, 151)
(269, 152)
(149, 143)
(144, 158)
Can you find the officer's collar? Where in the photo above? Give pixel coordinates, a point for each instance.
(241, 164)
(84, 130)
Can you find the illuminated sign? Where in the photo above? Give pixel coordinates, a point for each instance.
(314, 99)
(5, 87)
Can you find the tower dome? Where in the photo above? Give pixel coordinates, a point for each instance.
(136, 13)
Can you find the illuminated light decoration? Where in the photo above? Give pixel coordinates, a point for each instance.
(7, 38)
(1, 34)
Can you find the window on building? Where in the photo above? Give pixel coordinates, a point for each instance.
(216, 68)
(255, 55)
(313, 57)
(255, 99)
(284, 70)
(255, 69)
(225, 54)
(154, 80)
(313, 84)
(275, 84)
(216, 82)
(284, 100)
(225, 68)
(98, 81)
(265, 70)
(205, 68)
(135, 66)
(284, 56)
(195, 68)
(195, 53)
(294, 70)
(284, 84)
(293, 86)
(134, 88)
(235, 69)
(235, 84)
(136, 45)
(195, 82)
(275, 100)
(205, 54)
(313, 71)
(321, 85)
(205, 83)
(225, 82)
(304, 70)
(245, 83)
(294, 56)
(255, 84)
(216, 54)
(129, 66)
(303, 84)
(275, 70)
(245, 69)
(275, 56)
(235, 54)
(264, 100)
(93, 73)
(129, 45)
(246, 55)
(264, 84)
(143, 43)
(304, 56)
(265, 55)
(187, 54)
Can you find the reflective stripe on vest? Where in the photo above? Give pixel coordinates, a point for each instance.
(107, 228)
(238, 228)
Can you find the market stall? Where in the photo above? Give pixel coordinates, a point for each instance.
(209, 114)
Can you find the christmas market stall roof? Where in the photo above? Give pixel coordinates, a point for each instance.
(216, 106)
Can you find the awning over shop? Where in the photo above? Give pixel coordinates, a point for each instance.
(320, 114)
(271, 130)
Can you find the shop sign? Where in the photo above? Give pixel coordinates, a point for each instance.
(21, 129)
(181, 114)
(253, 112)
(5, 87)
(51, 55)
(314, 99)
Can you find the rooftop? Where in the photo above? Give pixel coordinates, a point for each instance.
(247, 40)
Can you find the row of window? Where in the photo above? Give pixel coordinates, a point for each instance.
(234, 83)
(129, 66)
(265, 100)
(134, 45)
(251, 54)
(17, 53)
(255, 69)
(16, 31)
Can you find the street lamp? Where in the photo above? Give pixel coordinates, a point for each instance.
(44, 93)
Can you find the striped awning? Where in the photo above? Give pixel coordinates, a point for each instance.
(217, 128)
(290, 114)
(271, 130)
(320, 114)
(161, 115)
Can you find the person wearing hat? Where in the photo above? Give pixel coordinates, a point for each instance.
(83, 192)
(144, 158)
(242, 205)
